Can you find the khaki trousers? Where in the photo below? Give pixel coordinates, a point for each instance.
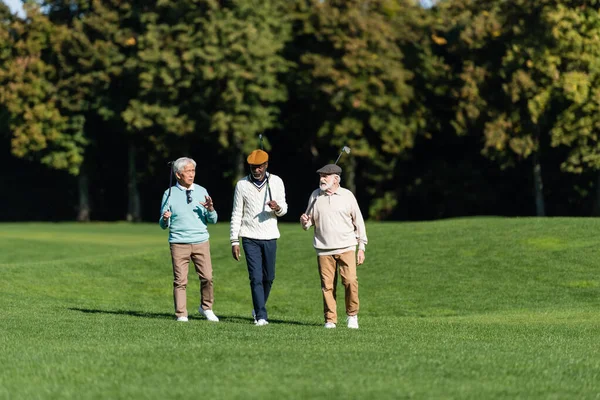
(328, 266)
(199, 253)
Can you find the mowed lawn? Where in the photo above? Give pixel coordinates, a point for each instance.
(477, 308)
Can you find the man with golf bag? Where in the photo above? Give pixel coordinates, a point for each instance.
(258, 200)
(339, 229)
(186, 210)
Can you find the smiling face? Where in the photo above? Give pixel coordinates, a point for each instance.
(258, 171)
(186, 176)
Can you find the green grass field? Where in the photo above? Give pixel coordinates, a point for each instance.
(477, 308)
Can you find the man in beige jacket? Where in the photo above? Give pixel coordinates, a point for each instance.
(339, 230)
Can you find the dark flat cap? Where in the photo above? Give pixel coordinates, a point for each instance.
(330, 169)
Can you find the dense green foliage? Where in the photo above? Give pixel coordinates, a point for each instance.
(109, 90)
(465, 308)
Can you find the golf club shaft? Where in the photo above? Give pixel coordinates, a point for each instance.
(169, 195)
(268, 186)
(311, 205)
(269, 189)
(338, 159)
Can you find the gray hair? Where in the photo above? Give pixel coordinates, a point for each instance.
(181, 163)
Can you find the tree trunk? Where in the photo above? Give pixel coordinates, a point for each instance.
(540, 208)
(239, 163)
(83, 187)
(350, 175)
(133, 206)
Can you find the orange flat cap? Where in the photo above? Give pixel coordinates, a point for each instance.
(258, 157)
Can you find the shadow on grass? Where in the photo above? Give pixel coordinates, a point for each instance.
(222, 318)
(235, 318)
(141, 314)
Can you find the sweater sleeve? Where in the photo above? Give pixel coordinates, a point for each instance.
(359, 225)
(211, 216)
(280, 197)
(236, 215)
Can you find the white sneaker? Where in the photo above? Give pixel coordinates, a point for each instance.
(352, 322)
(208, 314)
(261, 322)
(254, 316)
(329, 325)
(182, 319)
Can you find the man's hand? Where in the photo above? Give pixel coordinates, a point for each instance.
(235, 252)
(360, 257)
(304, 219)
(208, 204)
(166, 215)
(274, 206)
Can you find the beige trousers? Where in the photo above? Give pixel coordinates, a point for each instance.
(328, 266)
(199, 253)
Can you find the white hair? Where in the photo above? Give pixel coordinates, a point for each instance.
(181, 163)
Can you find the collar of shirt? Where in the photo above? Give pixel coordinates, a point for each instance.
(183, 188)
(326, 193)
(256, 181)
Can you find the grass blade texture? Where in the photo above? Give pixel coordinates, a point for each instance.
(477, 308)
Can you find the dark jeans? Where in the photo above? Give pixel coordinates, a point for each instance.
(260, 258)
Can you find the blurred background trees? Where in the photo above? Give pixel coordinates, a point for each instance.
(451, 107)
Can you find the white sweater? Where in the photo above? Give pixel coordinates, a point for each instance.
(251, 217)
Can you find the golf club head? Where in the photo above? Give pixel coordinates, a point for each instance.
(346, 150)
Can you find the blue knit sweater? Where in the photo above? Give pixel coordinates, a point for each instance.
(189, 221)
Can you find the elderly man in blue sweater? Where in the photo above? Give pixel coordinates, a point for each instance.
(186, 210)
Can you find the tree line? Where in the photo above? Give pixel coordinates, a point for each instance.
(463, 107)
